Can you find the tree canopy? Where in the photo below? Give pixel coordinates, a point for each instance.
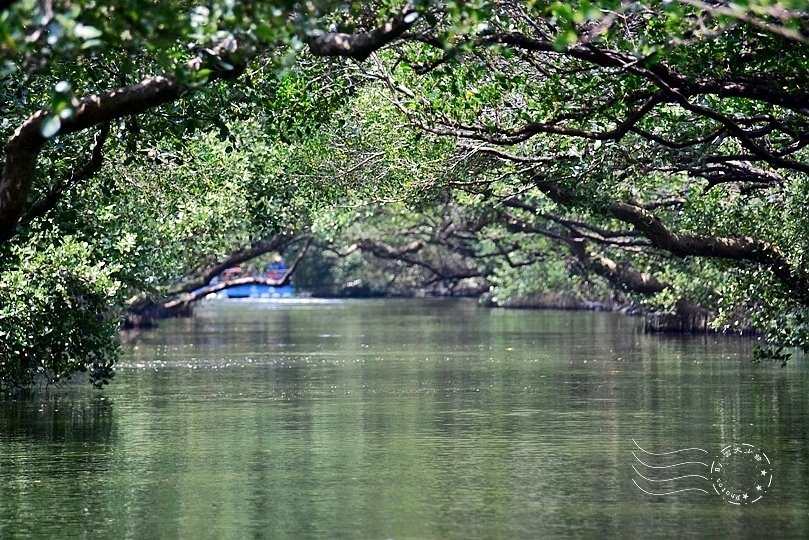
(657, 149)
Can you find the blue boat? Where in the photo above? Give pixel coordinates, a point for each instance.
(275, 271)
(259, 291)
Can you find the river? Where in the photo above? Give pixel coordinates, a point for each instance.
(412, 419)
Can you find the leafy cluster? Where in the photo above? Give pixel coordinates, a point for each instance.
(53, 319)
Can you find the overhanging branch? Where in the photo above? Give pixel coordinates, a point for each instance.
(361, 45)
(85, 172)
(188, 298)
(732, 248)
(23, 148)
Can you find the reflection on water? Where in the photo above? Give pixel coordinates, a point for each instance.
(400, 419)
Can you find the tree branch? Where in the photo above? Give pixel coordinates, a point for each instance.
(733, 248)
(85, 172)
(190, 297)
(360, 46)
(260, 247)
(621, 276)
(23, 148)
(767, 91)
(745, 16)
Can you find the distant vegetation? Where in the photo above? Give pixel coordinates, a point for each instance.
(651, 152)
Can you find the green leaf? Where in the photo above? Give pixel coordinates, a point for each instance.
(92, 43)
(84, 31)
(564, 40)
(265, 32)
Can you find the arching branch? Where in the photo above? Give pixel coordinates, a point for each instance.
(222, 62)
(23, 148)
(621, 276)
(142, 310)
(360, 46)
(193, 296)
(732, 248)
(739, 13)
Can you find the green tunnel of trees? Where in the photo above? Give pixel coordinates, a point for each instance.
(650, 152)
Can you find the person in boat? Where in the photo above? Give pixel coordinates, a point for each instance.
(276, 268)
(232, 273)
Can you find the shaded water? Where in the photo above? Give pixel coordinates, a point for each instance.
(404, 419)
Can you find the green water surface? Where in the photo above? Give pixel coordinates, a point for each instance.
(407, 419)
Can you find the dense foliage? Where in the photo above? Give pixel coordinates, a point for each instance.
(654, 151)
(646, 144)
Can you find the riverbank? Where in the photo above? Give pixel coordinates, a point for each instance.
(688, 317)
